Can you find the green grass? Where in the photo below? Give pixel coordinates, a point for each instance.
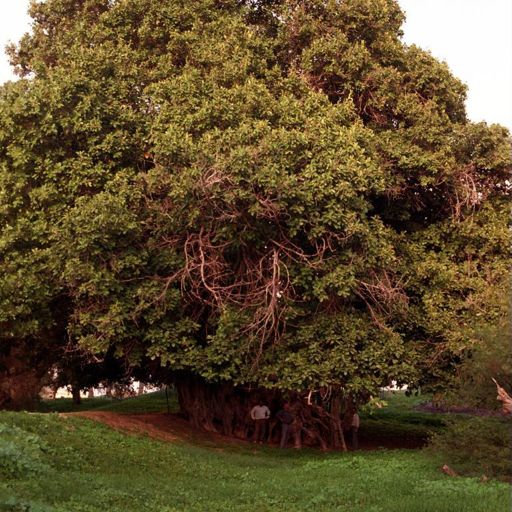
(400, 420)
(150, 402)
(54, 464)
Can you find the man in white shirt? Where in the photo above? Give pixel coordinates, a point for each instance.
(260, 414)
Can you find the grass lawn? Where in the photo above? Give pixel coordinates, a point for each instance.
(50, 463)
(150, 402)
(400, 420)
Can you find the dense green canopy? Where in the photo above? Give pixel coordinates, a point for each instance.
(279, 193)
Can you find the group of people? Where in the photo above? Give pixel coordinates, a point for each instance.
(260, 415)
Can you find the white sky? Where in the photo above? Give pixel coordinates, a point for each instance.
(473, 36)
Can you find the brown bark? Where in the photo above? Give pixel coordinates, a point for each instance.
(75, 392)
(21, 377)
(223, 408)
(338, 439)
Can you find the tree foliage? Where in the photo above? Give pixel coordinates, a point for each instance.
(271, 193)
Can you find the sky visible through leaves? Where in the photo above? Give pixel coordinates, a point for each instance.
(473, 36)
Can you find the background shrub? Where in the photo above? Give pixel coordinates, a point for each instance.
(476, 446)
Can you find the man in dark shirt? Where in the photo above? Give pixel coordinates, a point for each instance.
(286, 418)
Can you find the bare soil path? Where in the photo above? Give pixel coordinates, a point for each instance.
(162, 426)
(174, 428)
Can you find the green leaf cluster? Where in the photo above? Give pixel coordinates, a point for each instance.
(304, 130)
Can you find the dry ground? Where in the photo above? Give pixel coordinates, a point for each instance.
(173, 428)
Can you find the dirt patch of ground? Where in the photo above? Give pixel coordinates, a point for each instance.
(162, 426)
(174, 428)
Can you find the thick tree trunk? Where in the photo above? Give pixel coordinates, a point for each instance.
(338, 439)
(223, 408)
(75, 392)
(207, 406)
(21, 378)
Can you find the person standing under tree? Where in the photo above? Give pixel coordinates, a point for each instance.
(260, 414)
(355, 429)
(286, 418)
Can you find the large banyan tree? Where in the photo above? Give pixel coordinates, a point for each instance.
(271, 197)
